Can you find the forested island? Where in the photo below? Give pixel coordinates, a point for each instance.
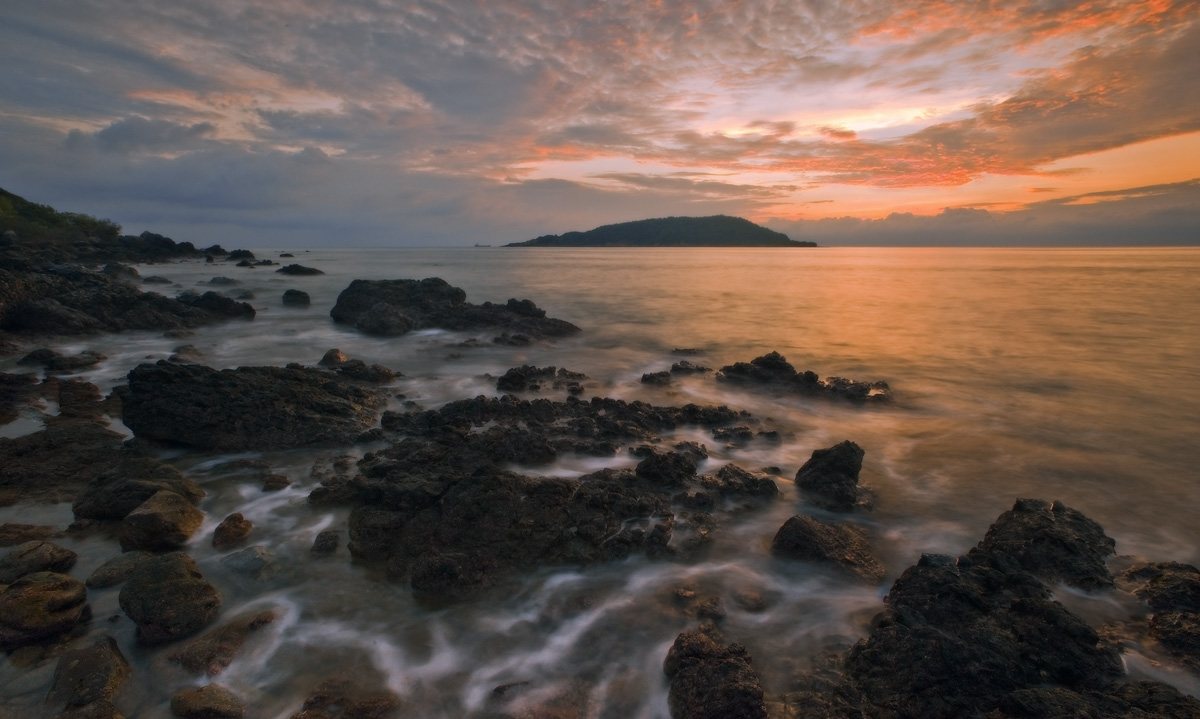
(714, 231)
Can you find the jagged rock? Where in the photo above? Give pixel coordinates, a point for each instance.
(89, 675)
(299, 270)
(661, 379)
(207, 702)
(296, 298)
(667, 468)
(218, 305)
(274, 482)
(528, 378)
(392, 307)
(213, 651)
(116, 570)
(1167, 586)
(841, 545)
(735, 481)
(35, 556)
(773, 371)
(1069, 547)
(829, 479)
(230, 531)
(186, 354)
(362, 372)
(40, 606)
(712, 680)
(168, 598)
(686, 367)
(165, 521)
(226, 409)
(117, 492)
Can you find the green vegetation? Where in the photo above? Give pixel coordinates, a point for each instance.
(714, 231)
(32, 221)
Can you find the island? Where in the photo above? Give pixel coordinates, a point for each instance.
(714, 231)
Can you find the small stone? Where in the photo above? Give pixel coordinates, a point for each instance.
(326, 542)
(276, 482)
(165, 521)
(230, 531)
(208, 702)
(334, 358)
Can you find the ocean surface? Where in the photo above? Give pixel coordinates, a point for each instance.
(1060, 374)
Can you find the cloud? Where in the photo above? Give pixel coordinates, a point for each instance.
(140, 134)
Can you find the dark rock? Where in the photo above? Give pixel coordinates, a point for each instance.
(1167, 586)
(256, 562)
(13, 534)
(326, 542)
(224, 410)
(661, 379)
(334, 358)
(17, 391)
(85, 676)
(691, 351)
(35, 556)
(212, 652)
(87, 358)
(165, 521)
(528, 378)
(695, 450)
(667, 469)
(239, 255)
(40, 606)
(186, 354)
(118, 491)
(218, 305)
(1179, 634)
(274, 482)
(712, 609)
(39, 357)
(686, 367)
(391, 307)
(296, 298)
(841, 545)
(286, 254)
(829, 479)
(735, 481)
(155, 280)
(712, 680)
(362, 372)
(207, 702)
(245, 263)
(168, 598)
(299, 270)
(230, 531)
(223, 281)
(1067, 547)
(116, 570)
(733, 436)
(772, 371)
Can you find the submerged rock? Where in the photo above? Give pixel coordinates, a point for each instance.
(230, 531)
(842, 545)
(829, 479)
(213, 651)
(211, 701)
(88, 675)
(295, 269)
(712, 680)
(296, 298)
(228, 409)
(394, 307)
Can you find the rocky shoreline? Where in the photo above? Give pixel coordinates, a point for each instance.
(447, 505)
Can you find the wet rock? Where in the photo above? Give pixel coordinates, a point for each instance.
(275, 482)
(334, 358)
(212, 701)
(1167, 586)
(84, 359)
(218, 305)
(230, 531)
(391, 307)
(296, 298)
(116, 570)
(35, 556)
(712, 680)
(362, 372)
(341, 698)
(841, 545)
(326, 542)
(17, 391)
(772, 371)
(213, 651)
(13, 534)
(155, 280)
(223, 281)
(165, 521)
(168, 598)
(528, 378)
(224, 409)
(40, 606)
(829, 479)
(661, 379)
(186, 354)
(301, 270)
(733, 436)
(239, 255)
(116, 492)
(667, 468)
(89, 675)
(686, 367)
(256, 562)
(1068, 546)
(735, 481)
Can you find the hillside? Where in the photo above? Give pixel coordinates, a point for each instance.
(714, 231)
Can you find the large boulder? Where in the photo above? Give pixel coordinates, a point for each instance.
(393, 307)
(829, 479)
(165, 521)
(34, 556)
(246, 408)
(40, 606)
(168, 599)
(843, 546)
(711, 679)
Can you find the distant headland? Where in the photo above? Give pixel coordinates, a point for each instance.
(714, 231)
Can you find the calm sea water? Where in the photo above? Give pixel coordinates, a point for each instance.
(1063, 374)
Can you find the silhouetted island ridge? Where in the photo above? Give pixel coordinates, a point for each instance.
(715, 231)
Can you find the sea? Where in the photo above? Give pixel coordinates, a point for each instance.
(1058, 374)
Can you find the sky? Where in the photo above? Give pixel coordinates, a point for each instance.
(450, 123)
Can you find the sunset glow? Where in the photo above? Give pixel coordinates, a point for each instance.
(781, 113)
